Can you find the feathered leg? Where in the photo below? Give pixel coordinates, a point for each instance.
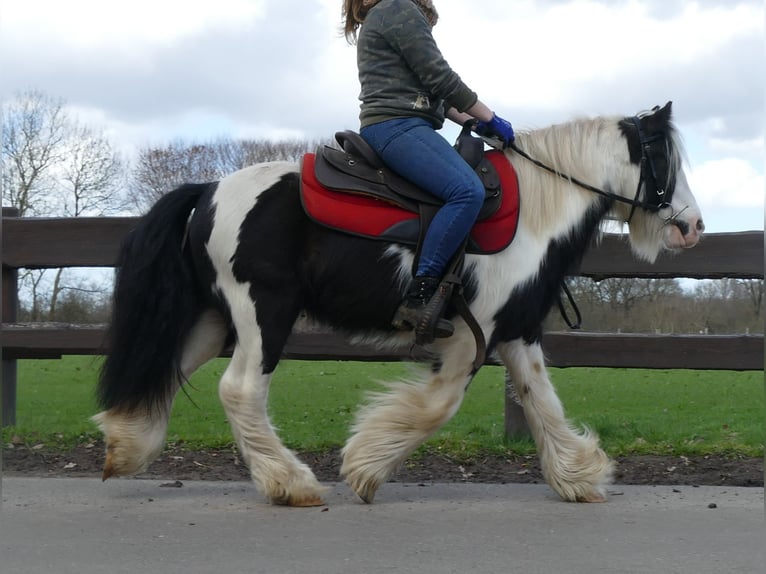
(572, 461)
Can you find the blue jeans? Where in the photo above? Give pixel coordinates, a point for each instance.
(413, 149)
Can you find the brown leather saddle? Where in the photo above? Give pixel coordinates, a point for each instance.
(356, 168)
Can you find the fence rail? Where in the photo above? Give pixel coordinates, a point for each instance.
(576, 349)
(39, 243)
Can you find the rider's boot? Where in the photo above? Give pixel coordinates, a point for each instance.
(422, 308)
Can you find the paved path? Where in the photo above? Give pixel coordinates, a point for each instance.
(81, 526)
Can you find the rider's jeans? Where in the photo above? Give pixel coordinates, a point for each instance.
(413, 149)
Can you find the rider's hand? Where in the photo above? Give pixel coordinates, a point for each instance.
(496, 127)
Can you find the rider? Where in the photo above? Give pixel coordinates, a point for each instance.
(407, 89)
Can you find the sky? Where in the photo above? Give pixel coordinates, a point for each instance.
(148, 72)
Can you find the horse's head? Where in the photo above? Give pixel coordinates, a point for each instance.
(665, 214)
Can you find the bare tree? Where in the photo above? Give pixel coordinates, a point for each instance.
(91, 172)
(158, 170)
(620, 293)
(754, 292)
(89, 184)
(34, 132)
(659, 289)
(54, 166)
(715, 305)
(626, 304)
(260, 150)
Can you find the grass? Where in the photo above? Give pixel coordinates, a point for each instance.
(312, 403)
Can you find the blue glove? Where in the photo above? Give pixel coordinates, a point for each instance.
(496, 127)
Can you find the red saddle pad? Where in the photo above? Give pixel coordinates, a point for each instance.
(370, 217)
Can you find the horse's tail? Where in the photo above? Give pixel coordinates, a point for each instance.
(157, 301)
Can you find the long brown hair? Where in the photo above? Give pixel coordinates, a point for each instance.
(355, 11)
(353, 14)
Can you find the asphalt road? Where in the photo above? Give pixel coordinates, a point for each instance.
(83, 526)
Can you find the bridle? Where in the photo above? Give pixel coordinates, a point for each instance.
(655, 198)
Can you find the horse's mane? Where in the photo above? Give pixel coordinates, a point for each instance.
(592, 150)
(565, 148)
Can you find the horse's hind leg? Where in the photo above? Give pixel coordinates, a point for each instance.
(395, 423)
(244, 391)
(134, 438)
(572, 462)
(275, 470)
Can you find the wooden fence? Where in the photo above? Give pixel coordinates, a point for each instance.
(38, 243)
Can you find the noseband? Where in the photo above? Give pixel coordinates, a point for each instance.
(655, 196)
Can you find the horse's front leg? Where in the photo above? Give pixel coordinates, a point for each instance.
(572, 462)
(394, 423)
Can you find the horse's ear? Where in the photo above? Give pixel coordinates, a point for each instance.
(660, 118)
(664, 112)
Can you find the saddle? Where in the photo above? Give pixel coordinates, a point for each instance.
(356, 168)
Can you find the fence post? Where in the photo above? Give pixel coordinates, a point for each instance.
(515, 421)
(10, 303)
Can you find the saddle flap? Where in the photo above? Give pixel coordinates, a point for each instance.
(339, 170)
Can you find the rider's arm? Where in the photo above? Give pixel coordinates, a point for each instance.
(478, 111)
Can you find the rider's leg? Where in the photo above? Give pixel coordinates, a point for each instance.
(412, 148)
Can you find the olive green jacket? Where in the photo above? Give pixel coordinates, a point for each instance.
(401, 70)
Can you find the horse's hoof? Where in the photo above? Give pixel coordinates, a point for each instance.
(366, 493)
(108, 467)
(306, 502)
(300, 501)
(592, 497)
(367, 499)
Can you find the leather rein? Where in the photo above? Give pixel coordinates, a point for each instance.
(660, 197)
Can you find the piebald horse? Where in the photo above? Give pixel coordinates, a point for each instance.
(236, 262)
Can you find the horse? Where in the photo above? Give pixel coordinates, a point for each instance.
(237, 262)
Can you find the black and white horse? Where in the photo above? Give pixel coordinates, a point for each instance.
(237, 261)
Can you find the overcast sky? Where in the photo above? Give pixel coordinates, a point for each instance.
(152, 71)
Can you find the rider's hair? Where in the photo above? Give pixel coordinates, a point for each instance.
(353, 14)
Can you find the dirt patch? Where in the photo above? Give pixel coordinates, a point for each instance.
(179, 464)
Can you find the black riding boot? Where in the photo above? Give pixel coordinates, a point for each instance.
(422, 308)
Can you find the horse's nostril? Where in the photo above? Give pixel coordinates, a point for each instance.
(700, 225)
(683, 226)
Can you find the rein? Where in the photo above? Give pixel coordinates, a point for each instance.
(574, 180)
(646, 162)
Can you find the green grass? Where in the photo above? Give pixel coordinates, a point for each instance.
(312, 403)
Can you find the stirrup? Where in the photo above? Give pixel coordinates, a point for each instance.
(422, 308)
(431, 325)
(408, 318)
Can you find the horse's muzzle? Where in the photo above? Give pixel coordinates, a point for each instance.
(683, 234)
